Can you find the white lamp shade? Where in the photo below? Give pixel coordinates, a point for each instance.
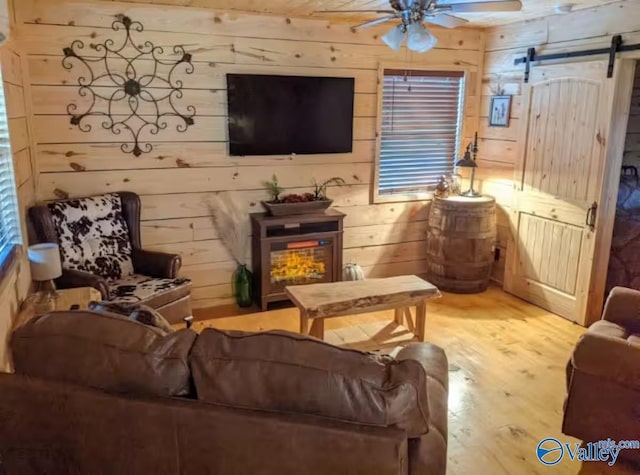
(393, 38)
(45, 261)
(419, 39)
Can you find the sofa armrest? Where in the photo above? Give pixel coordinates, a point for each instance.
(623, 307)
(608, 357)
(432, 358)
(428, 453)
(75, 278)
(156, 264)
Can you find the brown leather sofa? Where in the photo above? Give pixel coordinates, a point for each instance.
(151, 278)
(603, 376)
(104, 395)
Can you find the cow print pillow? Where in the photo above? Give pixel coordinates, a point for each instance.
(93, 236)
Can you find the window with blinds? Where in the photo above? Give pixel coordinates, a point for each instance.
(9, 221)
(420, 130)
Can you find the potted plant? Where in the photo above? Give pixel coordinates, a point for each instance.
(294, 203)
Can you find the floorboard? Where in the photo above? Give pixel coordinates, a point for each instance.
(507, 361)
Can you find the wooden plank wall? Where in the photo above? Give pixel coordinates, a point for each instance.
(16, 286)
(632, 146)
(583, 29)
(182, 172)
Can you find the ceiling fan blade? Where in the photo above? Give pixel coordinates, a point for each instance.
(375, 22)
(445, 20)
(495, 6)
(388, 12)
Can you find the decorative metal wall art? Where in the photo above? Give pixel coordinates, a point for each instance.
(130, 86)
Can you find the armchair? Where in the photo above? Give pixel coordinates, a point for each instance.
(603, 376)
(100, 247)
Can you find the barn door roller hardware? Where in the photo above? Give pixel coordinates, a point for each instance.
(616, 47)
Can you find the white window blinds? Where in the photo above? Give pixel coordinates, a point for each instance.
(9, 221)
(421, 126)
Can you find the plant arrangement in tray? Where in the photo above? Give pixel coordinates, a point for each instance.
(294, 203)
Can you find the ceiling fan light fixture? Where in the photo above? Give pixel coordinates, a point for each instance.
(394, 37)
(419, 39)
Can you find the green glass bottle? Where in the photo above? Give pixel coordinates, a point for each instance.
(243, 286)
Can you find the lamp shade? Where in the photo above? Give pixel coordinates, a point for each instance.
(419, 39)
(394, 37)
(45, 261)
(467, 161)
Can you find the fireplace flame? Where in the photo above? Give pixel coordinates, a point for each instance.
(290, 265)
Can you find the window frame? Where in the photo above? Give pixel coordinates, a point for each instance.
(8, 264)
(9, 257)
(376, 196)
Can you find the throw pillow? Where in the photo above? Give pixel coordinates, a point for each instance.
(136, 312)
(151, 317)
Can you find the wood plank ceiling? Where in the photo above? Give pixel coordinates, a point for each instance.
(305, 8)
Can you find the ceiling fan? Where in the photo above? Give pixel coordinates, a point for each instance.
(414, 13)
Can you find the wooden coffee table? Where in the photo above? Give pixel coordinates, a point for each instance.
(319, 301)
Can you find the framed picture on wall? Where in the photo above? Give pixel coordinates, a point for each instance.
(500, 111)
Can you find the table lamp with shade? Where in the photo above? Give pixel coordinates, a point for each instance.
(45, 267)
(470, 162)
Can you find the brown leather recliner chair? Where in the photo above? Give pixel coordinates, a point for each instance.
(603, 376)
(99, 239)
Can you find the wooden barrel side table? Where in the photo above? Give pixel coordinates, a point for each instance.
(461, 236)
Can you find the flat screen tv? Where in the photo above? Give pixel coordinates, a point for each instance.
(282, 115)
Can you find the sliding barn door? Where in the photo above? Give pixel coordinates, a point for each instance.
(567, 109)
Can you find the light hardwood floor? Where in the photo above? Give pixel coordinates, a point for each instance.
(507, 361)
